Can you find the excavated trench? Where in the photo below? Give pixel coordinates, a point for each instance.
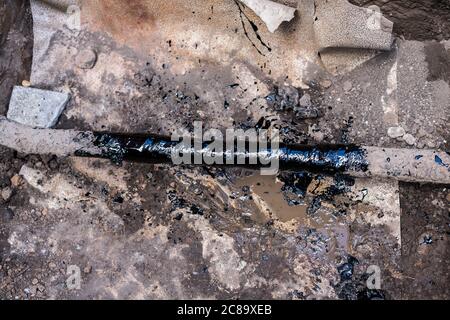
(421, 20)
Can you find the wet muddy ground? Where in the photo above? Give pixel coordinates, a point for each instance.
(216, 233)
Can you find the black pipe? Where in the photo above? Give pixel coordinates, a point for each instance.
(157, 149)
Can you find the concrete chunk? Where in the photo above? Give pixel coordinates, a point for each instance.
(273, 14)
(35, 107)
(340, 24)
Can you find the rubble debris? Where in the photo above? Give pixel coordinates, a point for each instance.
(289, 98)
(35, 107)
(273, 14)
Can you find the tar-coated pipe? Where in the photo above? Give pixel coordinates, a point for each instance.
(427, 166)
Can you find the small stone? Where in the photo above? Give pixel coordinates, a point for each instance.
(348, 86)
(305, 101)
(35, 107)
(421, 133)
(409, 139)
(420, 145)
(26, 83)
(16, 181)
(86, 59)
(150, 175)
(326, 83)
(396, 132)
(52, 265)
(35, 281)
(87, 269)
(6, 193)
(173, 185)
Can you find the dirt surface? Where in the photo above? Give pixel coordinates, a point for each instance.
(16, 43)
(425, 249)
(416, 19)
(221, 233)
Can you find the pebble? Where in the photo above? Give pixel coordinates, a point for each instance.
(35, 281)
(6, 193)
(396, 132)
(26, 83)
(305, 101)
(326, 83)
(87, 269)
(431, 145)
(16, 181)
(421, 133)
(348, 86)
(86, 59)
(409, 139)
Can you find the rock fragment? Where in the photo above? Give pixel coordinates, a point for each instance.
(348, 86)
(305, 101)
(86, 59)
(409, 139)
(326, 83)
(16, 180)
(35, 107)
(396, 132)
(6, 193)
(273, 14)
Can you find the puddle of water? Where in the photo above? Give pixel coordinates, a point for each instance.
(268, 188)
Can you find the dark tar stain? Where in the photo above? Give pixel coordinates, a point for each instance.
(439, 161)
(155, 149)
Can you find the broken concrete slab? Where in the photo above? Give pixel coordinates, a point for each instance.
(43, 141)
(348, 36)
(344, 60)
(339, 24)
(50, 16)
(35, 107)
(273, 14)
